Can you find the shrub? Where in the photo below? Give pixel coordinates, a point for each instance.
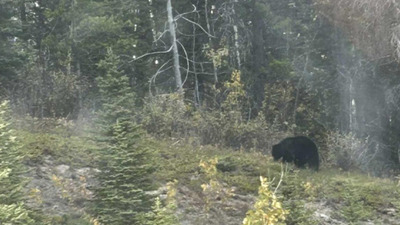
(267, 209)
(345, 151)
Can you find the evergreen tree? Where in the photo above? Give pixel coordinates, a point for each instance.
(9, 59)
(12, 211)
(126, 166)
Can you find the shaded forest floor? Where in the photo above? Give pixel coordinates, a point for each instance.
(61, 169)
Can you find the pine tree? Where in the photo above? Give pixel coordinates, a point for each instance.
(121, 197)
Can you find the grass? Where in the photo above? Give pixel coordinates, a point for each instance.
(351, 196)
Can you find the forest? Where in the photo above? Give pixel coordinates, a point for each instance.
(165, 112)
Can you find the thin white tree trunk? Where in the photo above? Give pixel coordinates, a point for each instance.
(196, 80)
(177, 72)
(210, 42)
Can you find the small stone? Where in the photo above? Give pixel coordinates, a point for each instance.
(62, 169)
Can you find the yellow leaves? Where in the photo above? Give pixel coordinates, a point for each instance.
(210, 167)
(95, 221)
(171, 192)
(216, 55)
(235, 85)
(60, 183)
(213, 189)
(236, 97)
(267, 210)
(35, 194)
(55, 179)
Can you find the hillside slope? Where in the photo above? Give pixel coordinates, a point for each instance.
(62, 171)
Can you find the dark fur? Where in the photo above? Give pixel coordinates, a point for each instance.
(300, 150)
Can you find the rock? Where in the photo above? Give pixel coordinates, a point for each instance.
(83, 171)
(62, 169)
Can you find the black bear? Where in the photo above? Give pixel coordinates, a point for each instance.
(300, 150)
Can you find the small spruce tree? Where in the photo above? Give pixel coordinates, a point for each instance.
(12, 210)
(120, 197)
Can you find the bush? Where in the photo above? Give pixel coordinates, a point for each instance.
(345, 151)
(268, 209)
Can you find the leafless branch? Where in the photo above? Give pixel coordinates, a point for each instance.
(280, 179)
(186, 13)
(187, 61)
(153, 78)
(152, 53)
(190, 21)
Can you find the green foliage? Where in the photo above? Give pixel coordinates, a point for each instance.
(125, 159)
(15, 214)
(278, 105)
(354, 208)
(280, 70)
(361, 197)
(235, 101)
(164, 116)
(12, 210)
(216, 55)
(268, 209)
(297, 193)
(10, 159)
(124, 178)
(10, 60)
(59, 138)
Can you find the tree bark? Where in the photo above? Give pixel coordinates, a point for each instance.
(259, 58)
(210, 41)
(177, 72)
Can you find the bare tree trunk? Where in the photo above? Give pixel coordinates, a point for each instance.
(296, 102)
(177, 72)
(258, 52)
(153, 23)
(196, 80)
(210, 41)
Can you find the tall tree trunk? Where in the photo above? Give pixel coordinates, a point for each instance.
(196, 80)
(22, 11)
(177, 72)
(259, 58)
(236, 39)
(296, 101)
(210, 42)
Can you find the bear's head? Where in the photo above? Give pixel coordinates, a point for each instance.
(277, 152)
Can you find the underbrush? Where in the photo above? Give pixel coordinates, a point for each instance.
(231, 126)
